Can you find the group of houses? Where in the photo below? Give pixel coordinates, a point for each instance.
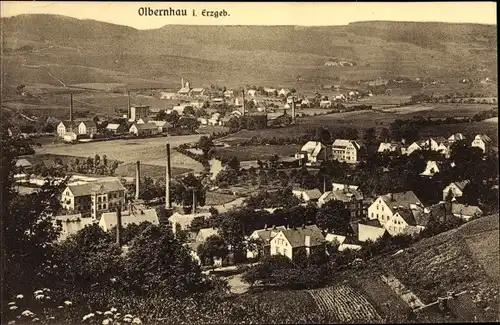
(314, 152)
(438, 144)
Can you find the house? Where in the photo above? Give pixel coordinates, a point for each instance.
(352, 198)
(342, 242)
(144, 129)
(197, 92)
(307, 195)
(270, 91)
(137, 216)
(87, 127)
(313, 152)
(384, 207)
(137, 112)
(403, 221)
(228, 93)
(179, 109)
(481, 141)
(284, 92)
(70, 224)
(388, 147)
(456, 137)
(465, 211)
(456, 188)
(163, 126)
(263, 237)
(325, 104)
(252, 92)
(370, 231)
(24, 165)
(115, 128)
(93, 198)
(347, 151)
(204, 233)
(289, 242)
(431, 169)
(182, 222)
(143, 120)
(339, 186)
(415, 146)
(66, 126)
(185, 90)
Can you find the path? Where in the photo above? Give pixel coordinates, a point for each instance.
(407, 295)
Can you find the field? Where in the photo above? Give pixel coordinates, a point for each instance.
(153, 171)
(148, 151)
(257, 152)
(218, 198)
(344, 304)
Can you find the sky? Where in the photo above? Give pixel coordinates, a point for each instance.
(261, 13)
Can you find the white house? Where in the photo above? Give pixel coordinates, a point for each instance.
(348, 151)
(113, 127)
(481, 141)
(431, 169)
(108, 220)
(456, 137)
(288, 242)
(456, 188)
(404, 221)
(87, 127)
(71, 224)
(370, 232)
(284, 92)
(144, 129)
(413, 148)
(307, 195)
(312, 152)
(391, 147)
(64, 127)
(341, 242)
(182, 222)
(384, 207)
(264, 236)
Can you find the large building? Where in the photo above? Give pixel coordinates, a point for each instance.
(385, 206)
(481, 141)
(313, 152)
(65, 127)
(93, 198)
(87, 127)
(349, 195)
(108, 220)
(347, 151)
(137, 112)
(290, 241)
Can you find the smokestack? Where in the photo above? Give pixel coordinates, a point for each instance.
(293, 109)
(118, 226)
(168, 203)
(194, 201)
(128, 107)
(137, 179)
(71, 109)
(243, 101)
(324, 185)
(182, 82)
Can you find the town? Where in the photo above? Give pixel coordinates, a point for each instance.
(357, 200)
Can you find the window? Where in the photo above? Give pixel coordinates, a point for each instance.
(284, 251)
(377, 215)
(99, 207)
(382, 208)
(377, 206)
(99, 199)
(104, 206)
(372, 215)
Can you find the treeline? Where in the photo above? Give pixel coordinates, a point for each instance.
(465, 98)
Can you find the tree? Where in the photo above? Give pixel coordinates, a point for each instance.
(189, 110)
(384, 135)
(234, 164)
(205, 144)
(213, 248)
(273, 161)
(334, 216)
(369, 136)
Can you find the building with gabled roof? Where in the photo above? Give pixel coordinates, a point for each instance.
(465, 211)
(348, 151)
(431, 168)
(135, 216)
(405, 221)
(93, 198)
(292, 240)
(182, 222)
(144, 129)
(307, 195)
(384, 207)
(369, 232)
(65, 127)
(456, 137)
(264, 237)
(481, 141)
(389, 147)
(313, 152)
(455, 188)
(351, 197)
(71, 224)
(87, 127)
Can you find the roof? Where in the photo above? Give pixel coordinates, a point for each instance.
(344, 195)
(112, 126)
(403, 199)
(197, 90)
(68, 124)
(461, 184)
(267, 233)
(145, 126)
(483, 137)
(184, 220)
(184, 90)
(23, 163)
(456, 137)
(71, 224)
(312, 147)
(407, 216)
(204, 233)
(465, 210)
(313, 194)
(390, 146)
(296, 237)
(108, 219)
(373, 223)
(332, 237)
(89, 123)
(99, 186)
(367, 232)
(344, 143)
(162, 124)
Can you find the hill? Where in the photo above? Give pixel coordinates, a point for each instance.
(86, 51)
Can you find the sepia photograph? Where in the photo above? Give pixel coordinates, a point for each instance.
(249, 162)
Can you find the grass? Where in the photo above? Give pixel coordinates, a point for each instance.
(257, 152)
(218, 198)
(152, 171)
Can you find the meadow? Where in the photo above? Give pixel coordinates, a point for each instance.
(257, 152)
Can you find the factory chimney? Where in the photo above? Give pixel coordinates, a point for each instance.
(137, 179)
(182, 82)
(168, 203)
(128, 107)
(118, 225)
(194, 200)
(243, 103)
(293, 109)
(71, 110)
